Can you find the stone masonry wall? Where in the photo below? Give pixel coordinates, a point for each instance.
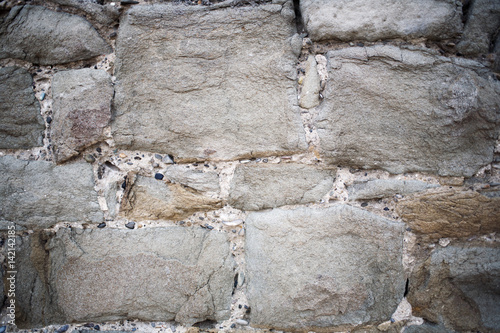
(250, 165)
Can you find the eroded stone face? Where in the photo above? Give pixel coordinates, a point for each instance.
(226, 77)
(38, 194)
(404, 111)
(156, 274)
(152, 199)
(383, 188)
(381, 19)
(42, 36)
(320, 267)
(22, 125)
(81, 110)
(450, 213)
(457, 287)
(256, 187)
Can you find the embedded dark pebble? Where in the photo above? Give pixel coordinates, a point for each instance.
(89, 325)
(240, 306)
(49, 120)
(364, 204)
(62, 329)
(137, 158)
(97, 327)
(201, 218)
(233, 325)
(112, 35)
(98, 149)
(386, 208)
(158, 156)
(129, 2)
(130, 225)
(124, 184)
(159, 176)
(195, 164)
(209, 227)
(130, 163)
(206, 165)
(264, 160)
(100, 226)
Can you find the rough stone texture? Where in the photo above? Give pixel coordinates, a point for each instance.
(381, 19)
(458, 287)
(196, 179)
(310, 267)
(151, 199)
(407, 110)
(450, 213)
(42, 36)
(22, 125)
(105, 15)
(81, 110)
(132, 275)
(38, 194)
(256, 187)
(226, 76)
(482, 26)
(383, 188)
(309, 96)
(427, 328)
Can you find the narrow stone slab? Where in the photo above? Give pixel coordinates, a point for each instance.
(256, 187)
(403, 110)
(152, 274)
(152, 199)
(311, 268)
(381, 19)
(196, 179)
(227, 83)
(38, 194)
(81, 110)
(42, 36)
(458, 288)
(450, 213)
(22, 125)
(383, 188)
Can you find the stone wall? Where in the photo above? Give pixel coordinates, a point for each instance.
(247, 165)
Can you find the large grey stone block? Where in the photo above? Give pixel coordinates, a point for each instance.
(381, 19)
(256, 187)
(81, 110)
(22, 125)
(383, 188)
(317, 268)
(458, 287)
(38, 194)
(42, 36)
(206, 84)
(408, 110)
(151, 274)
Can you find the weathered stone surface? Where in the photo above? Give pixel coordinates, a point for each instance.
(383, 188)
(256, 187)
(38, 194)
(42, 36)
(131, 274)
(381, 19)
(427, 328)
(227, 84)
(481, 28)
(151, 199)
(201, 181)
(309, 96)
(81, 110)
(103, 14)
(458, 287)
(22, 125)
(450, 213)
(407, 110)
(318, 268)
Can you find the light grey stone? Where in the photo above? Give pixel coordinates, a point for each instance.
(226, 77)
(38, 194)
(408, 110)
(309, 96)
(381, 19)
(458, 287)
(81, 110)
(317, 268)
(383, 188)
(481, 27)
(150, 274)
(201, 181)
(22, 125)
(42, 36)
(256, 187)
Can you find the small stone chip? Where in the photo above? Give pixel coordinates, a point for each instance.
(102, 225)
(130, 225)
(158, 176)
